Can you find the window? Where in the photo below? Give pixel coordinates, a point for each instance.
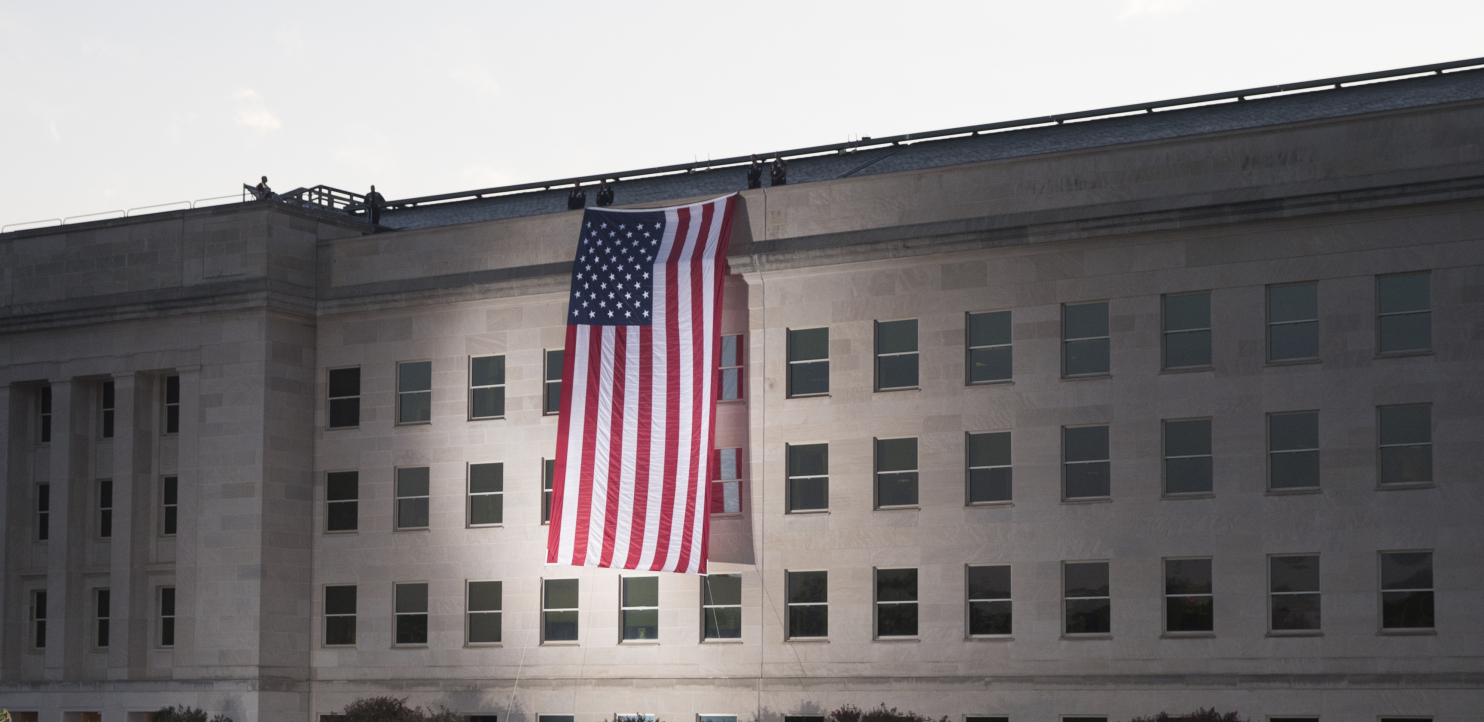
(1093, 719)
(1085, 340)
(721, 606)
(1188, 597)
(726, 484)
(43, 512)
(1406, 590)
(486, 387)
(415, 392)
(989, 357)
(1293, 322)
(971, 718)
(345, 397)
(1085, 463)
(896, 602)
(1187, 457)
(1187, 332)
(988, 592)
(808, 605)
(987, 459)
(172, 404)
(553, 403)
(559, 611)
(412, 497)
(1293, 450)
(641, 608)
(485, 605)
(896, 472)
(896, 355)
(716, 718)
(1406, 444)
(556, 718)
(803, 718)
(106, 402)
(169, 505)
(342, 494)
(1294, 592)
(38, 619)
(100, 618)
(548, 476)
(412, 613)
(730, 367)
(808, 362)
(486, 494)
(340, 615)
(105, 508)
(167, 616)
(1404, 313)
(1087, 604)
(808, 477)
(44, 404)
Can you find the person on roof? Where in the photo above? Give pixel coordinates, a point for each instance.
(778, 174)
(374, 202)
(754, 173)
(263, 191)
(576, 198)
(605, 193)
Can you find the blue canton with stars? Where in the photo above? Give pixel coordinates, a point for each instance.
(613, 274)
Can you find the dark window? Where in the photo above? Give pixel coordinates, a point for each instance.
(721, 606)
(803, 718)
(716, 718)
(412, 613)
(43, 512)
(808, 362)
(485, 605)
(1085, 339)
(100, 618)
(167, 616)
(1188, 595)
(1406, 590)
(896, 602)
(1087, 470)
(1293, 450)
(730, 366)
(989, 600)
(986, 719)
(38, 619)
(726, 482)
(486, 494)
(1187, 335)
(340, 615)
(412, 497)
(989, 353)
(987, 457)
(484, 718)
(45, 414)
(105, 508)
(1088, 605)
(641, 608)
(556, 718)
(1293, 322)
(107, 405)
(548, 476)
(896, 355)
(559, 611)
(1088, 719)
(1406, 443)
(342, 494)
(486, 387)
(172, 404)
(169, 505)
(345, 397)
(896, 472)
(808, 477)
(1188, 456)
(808, 604)
(1294, 719)
(415, 392)
(1404, 313)
(553, 403)
(1294, 592)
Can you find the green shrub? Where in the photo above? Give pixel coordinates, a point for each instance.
(185, 713)
(1200, 715)
(852, 713)
(393, 709)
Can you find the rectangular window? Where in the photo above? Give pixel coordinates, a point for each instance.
(415, 392)
(106, 403)
(1406, 590)
(808, 362)
(1188, 600)
(43, 512)
(100, 618)
(548, 478)
(808, 605)
(487, 387)
(1088, 604)
(1085, 339)
(971, 718)
(553, 402)
(345, 397)
(412, 613)
(896, 355)
(1404, 313)
(1293, 450)
(44, 422)
(169, 505)
(808, 477)
(1405, 443)
(412, 497)
(1187, 457)
(988, 591)
(172, 404)
(726, 484)
(38, 619)
(559, 611)
(730, 366)
(641, 608)
(167, 616)
(105, 508)
(1293, 322)
(486, 494)
(987, 460)
(721, 606)
(1187, 330)
(1293, 582)
(1087, 471)
(485, 609)
(989, 357)
(716, 718)
(896, 472)
(342, 495)
(896, 602)
(340, 615)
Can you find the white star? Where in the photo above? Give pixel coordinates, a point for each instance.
(646, 274)
(591, 314)
(574, 312)
(646, 313)
(605, 225)
(610, 314)
(621, 226)
(627, 314)
(646, 294)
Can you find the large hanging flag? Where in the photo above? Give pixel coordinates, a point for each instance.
(638, 410)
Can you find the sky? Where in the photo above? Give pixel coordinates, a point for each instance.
(113, 106)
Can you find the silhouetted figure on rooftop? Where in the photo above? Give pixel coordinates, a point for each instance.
(778, 174)
(754, 173)
(374, 202)
(264, 192)
(605, 193)
(577, 198)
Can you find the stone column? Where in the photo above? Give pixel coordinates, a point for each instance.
(12, 610)
(67, 635)
(188, 533)
(129, 595)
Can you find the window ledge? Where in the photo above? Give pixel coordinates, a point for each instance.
(1294, 492)
(1406, 354)
(483, 645)
(719, 640)
(325, 646)
(1087, 377)
(895, 389)
(1188, 635)
(998, 382)
(988, 504)
(401, 424)
(484, 418)
(903, 507)
(1419, 632)
(1191, 495)
(639, 642)
(1085, 637)
(805, 396)
(807, 640)
(806, 512)
(1291, 362)
(561, 643)
(1295, 633)
(1089, 500)
(731, 401)
(343, 428)
(1407, 486)
(500, 525)
(1188, 370)
(990, 638)
(411, 529)
(897, 639)
(342, 532)
(424, 645)
(729, 515)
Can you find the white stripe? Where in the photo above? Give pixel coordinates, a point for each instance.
(661, 397)
(598, 507)
(709, 271)
(628, 460)
(572, 455)
(685, 341)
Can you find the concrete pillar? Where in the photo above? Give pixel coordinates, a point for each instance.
(130, 595)
(12, 501)
(66, 609)
(188, 533)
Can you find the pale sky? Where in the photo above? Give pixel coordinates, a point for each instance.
(109, 106)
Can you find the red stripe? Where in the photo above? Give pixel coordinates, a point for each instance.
(641, 456)
(672, 385)
(721, 271)
(699, 338)
(615, 444)
(593, 379)
(564, 424)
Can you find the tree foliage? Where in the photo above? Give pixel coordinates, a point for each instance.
(852, 713)
(1200, 715)
(186, 713)
(394, 709)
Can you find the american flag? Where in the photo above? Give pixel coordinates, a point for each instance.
(638, 406)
